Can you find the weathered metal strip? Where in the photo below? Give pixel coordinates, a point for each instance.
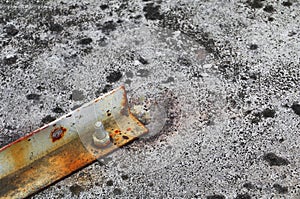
(65, 145)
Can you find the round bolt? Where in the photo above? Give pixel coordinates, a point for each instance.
(100, 136)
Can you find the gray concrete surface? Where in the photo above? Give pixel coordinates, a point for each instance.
(227, 73)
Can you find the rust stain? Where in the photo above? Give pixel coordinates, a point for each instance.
(128, 129)
(124, 104)
(18, 155)
(46, 170)
(58, 133)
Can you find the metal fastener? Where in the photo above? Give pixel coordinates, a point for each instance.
(101, 136)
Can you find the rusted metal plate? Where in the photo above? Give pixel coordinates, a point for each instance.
(65, 145)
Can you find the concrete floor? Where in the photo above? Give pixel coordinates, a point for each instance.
(226, 73)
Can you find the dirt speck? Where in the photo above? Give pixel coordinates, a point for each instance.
(58, 110)
(76, 189)
(117, 191)
(85, 41)
(48, 119)
(152, 12)
(110, 183)
(275, 160)
(287, 3)
(280, 189)
(243, 196)
(114, 76)
(269, 9)
(253, 46)
(33, 96)
(296, 108)
(217, 196)
(77, 95)
(143, 73)
(268, 113)
(255, 3)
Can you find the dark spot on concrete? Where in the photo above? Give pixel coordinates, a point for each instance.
(268, 113)
(11, 30)
(256, 118)
(76, 189)
(102, 42)
(120, 21)
(10, 60)
(255, 3)
(170, 79)
(137, 17)
(280, 189)
(76, 107)
(33, 96)
(103, 7)
(253, 47)
(275, 160)
(106, 88)
(249, 185)
(129, 74)
(296, 108)
(85, 41)
(269, 8)
(77, 95)
(110, 183)
(107, 27)
(281, 140)
(243, 196)
(253, 76)
(217, 196)
(114, 76)
(151, 184)
(184, 61)
(117, 191)
(55, 27)
(287, 3)
(72, 7)
(124, 177)
(48, 119)
(128, 81)
(292, 33)
(143, 73)
(58, 110)
(152, 12)
(40, 88)
(143, 61)
(271, 19)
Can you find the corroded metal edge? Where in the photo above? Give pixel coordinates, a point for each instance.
(62, 146)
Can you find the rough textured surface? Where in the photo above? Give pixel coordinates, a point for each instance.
(227, 74)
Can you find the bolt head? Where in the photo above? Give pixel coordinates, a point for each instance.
(101, 142)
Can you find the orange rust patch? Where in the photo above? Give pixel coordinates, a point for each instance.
(58, 133)
(128, 129)
(117, 131)
(18, 155)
